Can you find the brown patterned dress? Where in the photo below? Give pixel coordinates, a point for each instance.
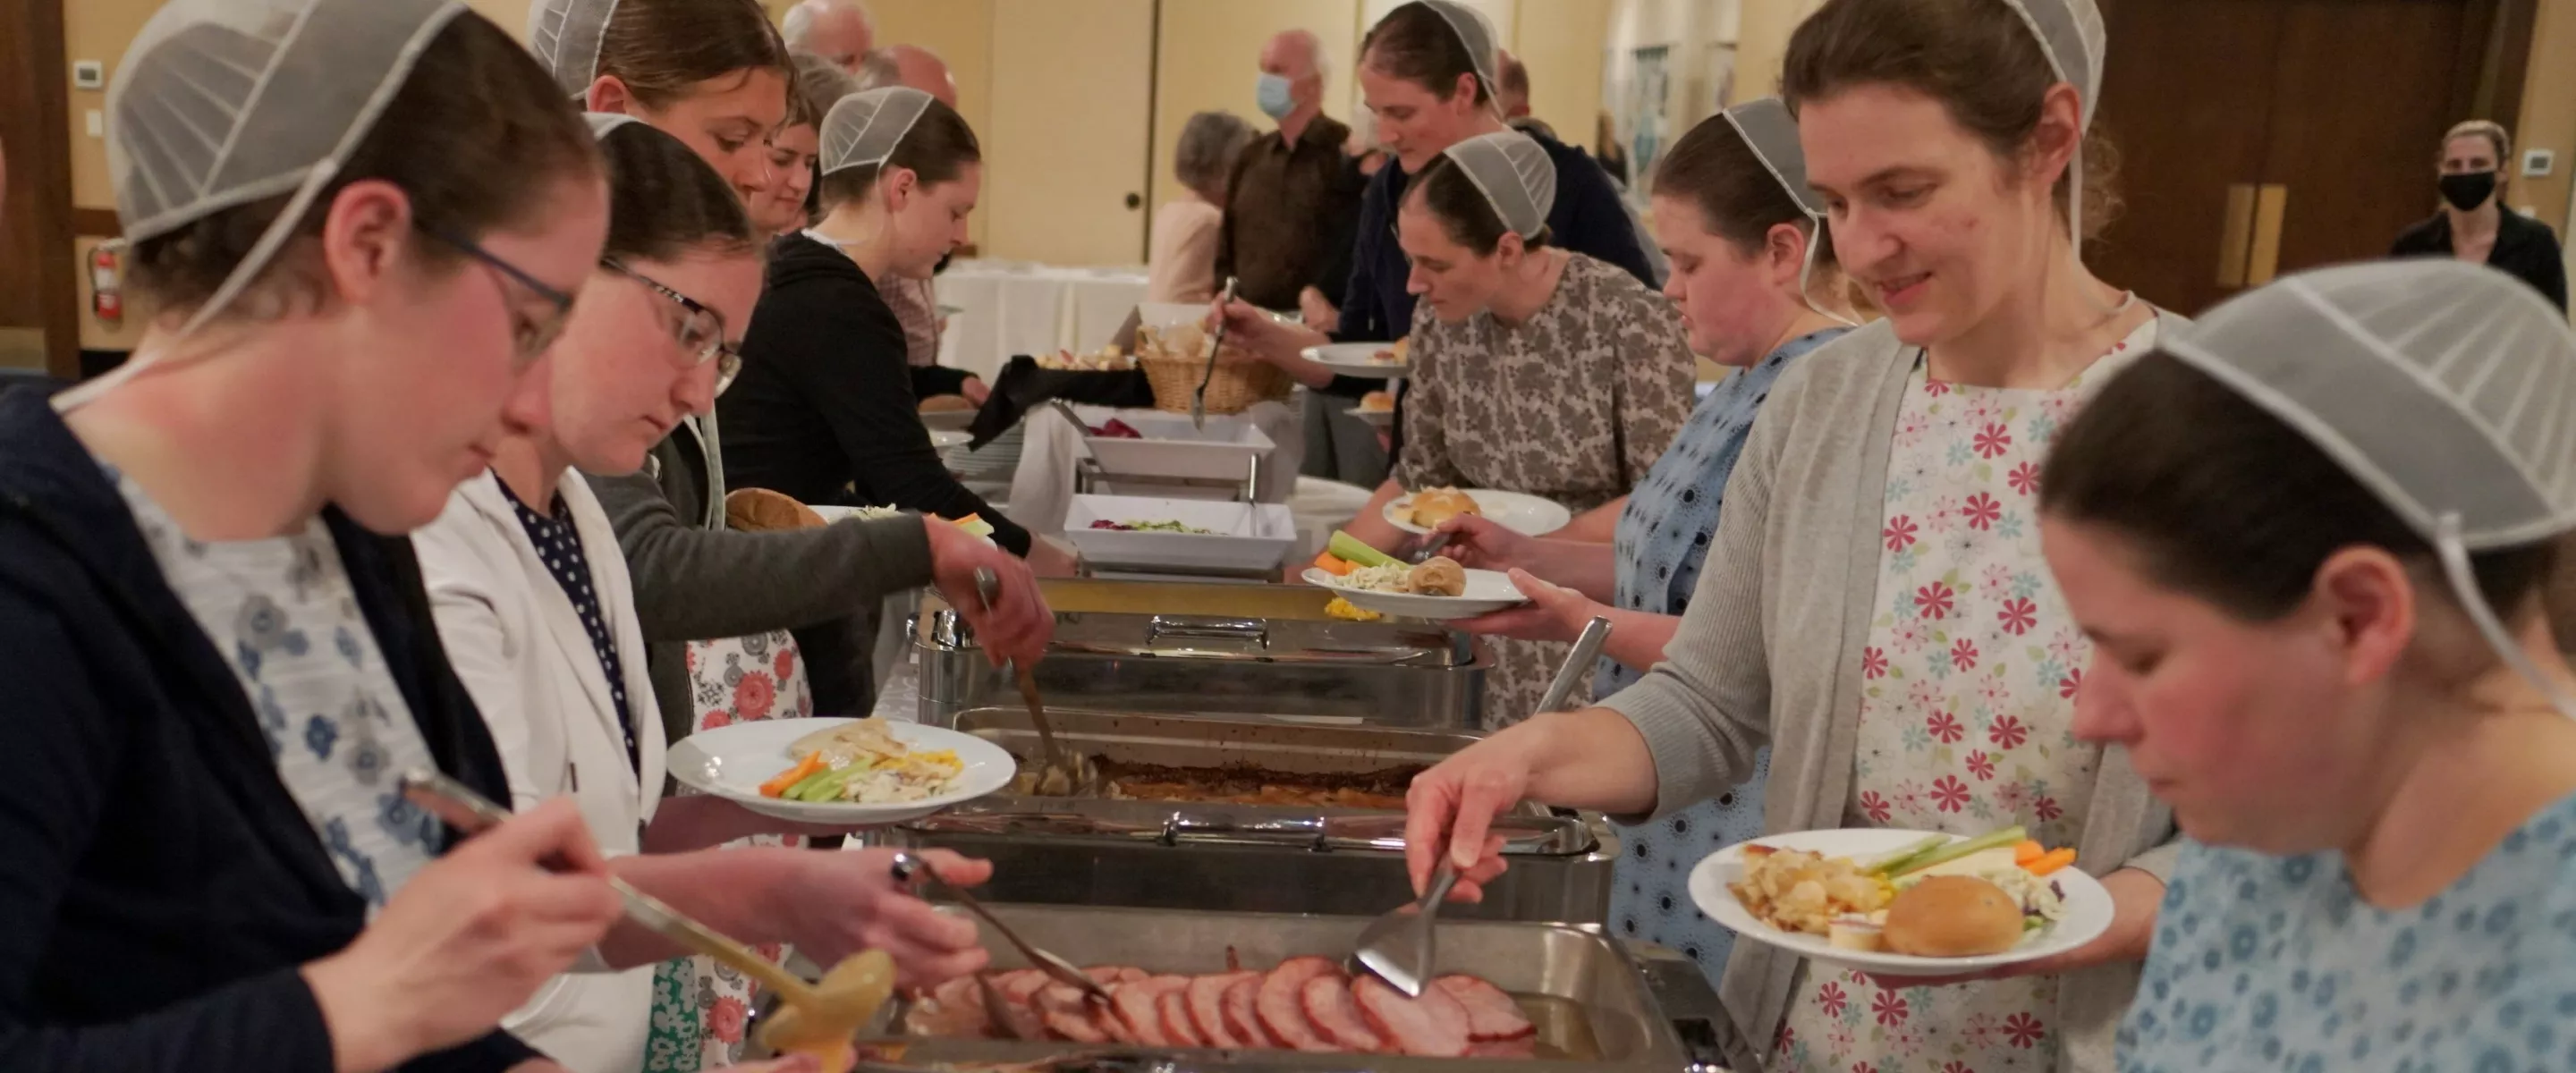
(1575, 405)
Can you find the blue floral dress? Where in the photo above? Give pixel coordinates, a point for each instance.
(1663, 536)
(2276, 963)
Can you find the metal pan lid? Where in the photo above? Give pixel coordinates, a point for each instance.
(1231, 639)
(1186, 826)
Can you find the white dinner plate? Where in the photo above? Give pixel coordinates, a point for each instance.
(1375, 418)
(938, 421)
(1527, 515)
(2088, 907)
(945, 438)
(1488, 591)
(731, 762)
(1358, 359)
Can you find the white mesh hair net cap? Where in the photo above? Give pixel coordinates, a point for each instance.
(1476, 33)
(566, 36)
(1514, 173)
(865, 128)
(225, 102)
(1772, 134)
(2447, 389)
(2075, 39)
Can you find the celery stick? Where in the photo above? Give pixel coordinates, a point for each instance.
(1954, 851)
(1892, 861)
(797, 791)
(1349, 549)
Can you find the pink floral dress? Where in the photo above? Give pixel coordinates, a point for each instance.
(700, 1008)
(1967, 714)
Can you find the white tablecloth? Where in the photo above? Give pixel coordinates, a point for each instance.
(1008, 308)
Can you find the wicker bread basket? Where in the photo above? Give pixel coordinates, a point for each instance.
(1174, 359)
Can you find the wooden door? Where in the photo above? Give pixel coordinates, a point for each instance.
(2261, 137)
(39, 304)
(1073, 101)
(2184, 99)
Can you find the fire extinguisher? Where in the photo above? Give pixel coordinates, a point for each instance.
(107, 287)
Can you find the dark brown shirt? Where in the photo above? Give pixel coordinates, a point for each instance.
(1280, 217)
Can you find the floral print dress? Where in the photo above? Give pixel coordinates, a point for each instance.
(1967, 713)
(701, 1008)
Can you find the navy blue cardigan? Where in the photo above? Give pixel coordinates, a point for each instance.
(159, 887)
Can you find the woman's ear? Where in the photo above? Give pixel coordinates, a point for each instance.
(1511, 251)
(2365, 600)
(1785, 250)
(2060, 132)
(364, 236)
(609, 94)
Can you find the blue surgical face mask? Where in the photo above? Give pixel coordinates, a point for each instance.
(1274, 96)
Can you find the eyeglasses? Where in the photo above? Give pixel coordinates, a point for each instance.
(700, 331)
(529, 338)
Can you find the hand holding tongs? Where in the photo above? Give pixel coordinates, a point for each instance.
(1216, 341)
(909, 870)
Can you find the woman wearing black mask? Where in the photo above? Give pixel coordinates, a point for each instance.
(2475, 226)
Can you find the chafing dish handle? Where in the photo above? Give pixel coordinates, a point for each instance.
(1698, 1020)
(1250, 631)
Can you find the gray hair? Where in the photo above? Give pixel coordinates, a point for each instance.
(1322, 57)
(798, 25)
(820, 84)
(1209, 143)
(878, 69)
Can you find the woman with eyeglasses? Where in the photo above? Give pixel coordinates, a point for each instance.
(220, 666)
(538, 615)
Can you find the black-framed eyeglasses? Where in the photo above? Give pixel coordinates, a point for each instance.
(700, 331)
(529, 338)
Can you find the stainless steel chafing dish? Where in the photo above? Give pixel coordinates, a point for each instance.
(1599, 1004)
(1260, 858)
(1201, 648)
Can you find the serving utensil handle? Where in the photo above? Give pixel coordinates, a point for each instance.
(1587, 648)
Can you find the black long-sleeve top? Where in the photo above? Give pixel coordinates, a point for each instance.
(824, 410)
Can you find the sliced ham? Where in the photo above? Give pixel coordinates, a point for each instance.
(1329, 1004)
(1242, 1012)
(1140, 1006)
(1206, 1004)
(1018, 985)
(1433, 1026)
(1174, 1006)
(1491, 1014)
(955, 1008)
(1069, 1014)
(1280, 1004)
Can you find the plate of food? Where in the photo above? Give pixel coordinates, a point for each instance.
(1381, 361)
(1904, 903)
(1529, 515)
(1438, 588)
(1377, 408)
(853, 771)
(941, 413)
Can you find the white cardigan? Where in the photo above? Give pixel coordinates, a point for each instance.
(518, 645)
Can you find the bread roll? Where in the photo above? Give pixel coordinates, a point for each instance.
(1441, 504)
(1377, 402)
(1953, 916)
(939, 404)
(759, 510)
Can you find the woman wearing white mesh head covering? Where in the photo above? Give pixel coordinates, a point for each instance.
(1534, 370)
(220, 666)
(1732, 205)
(712, 73)
(1876, 609)
(2310, 535)
(827, 406)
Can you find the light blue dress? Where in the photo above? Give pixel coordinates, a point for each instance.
(1663, 536)
(2275, 963)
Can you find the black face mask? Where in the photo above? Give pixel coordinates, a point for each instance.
(2469, 191)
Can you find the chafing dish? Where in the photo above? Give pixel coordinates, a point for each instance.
(1260, 858)
(1598, 1006)
(1200, 648)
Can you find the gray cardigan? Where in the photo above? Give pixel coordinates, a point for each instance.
(696, 584)
(1770, 653)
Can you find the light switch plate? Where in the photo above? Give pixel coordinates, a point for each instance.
(2538, 162)
(89, 74)
(96, 121)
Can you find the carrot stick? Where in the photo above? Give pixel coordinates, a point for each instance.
(2027, 852)
(812, 763)
(1333, 564)
(2052, 862)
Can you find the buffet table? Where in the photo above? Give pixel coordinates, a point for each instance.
(1012, 307)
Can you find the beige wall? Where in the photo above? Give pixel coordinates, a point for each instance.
(2549, 112)
(1562, 42)
(961, 32)
(97, 30)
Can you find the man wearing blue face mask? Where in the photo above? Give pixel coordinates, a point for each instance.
(1293, 198)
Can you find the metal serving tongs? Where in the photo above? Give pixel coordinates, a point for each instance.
(1061, 772)
(844, 1001)
(1216, 341)
(911, 870)
(1398, 947)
